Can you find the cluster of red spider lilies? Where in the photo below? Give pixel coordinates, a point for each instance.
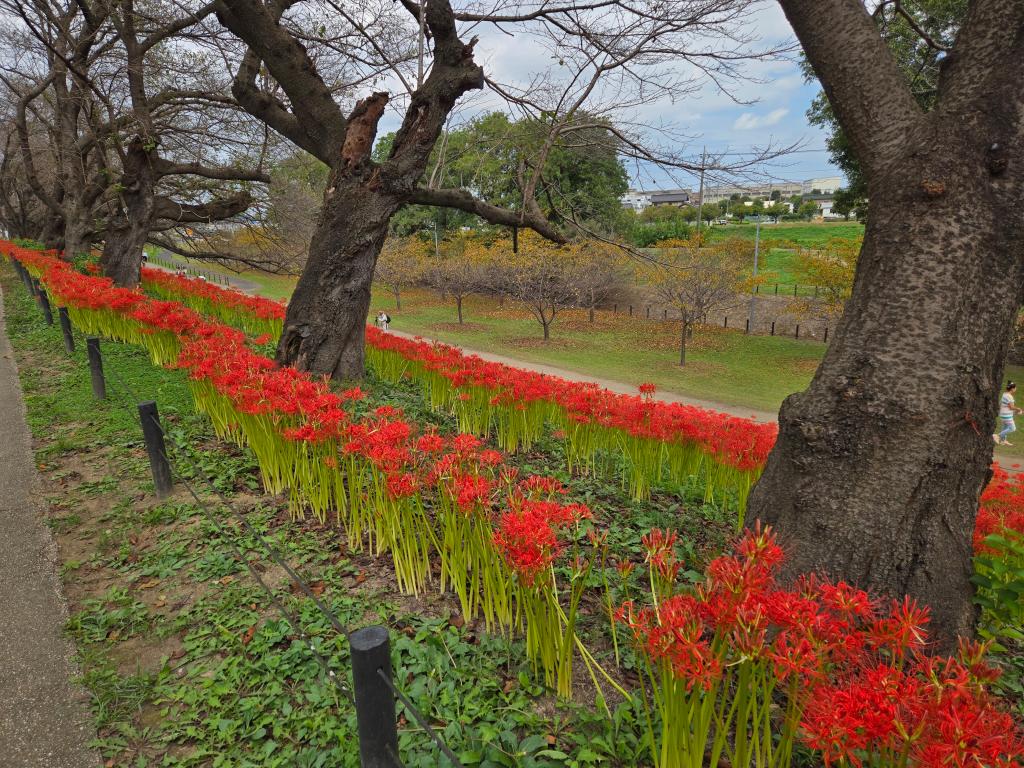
(659, 442)
(717, 658)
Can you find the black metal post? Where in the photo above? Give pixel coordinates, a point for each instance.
(65, 328)
(798, 331)
(375, 704)
(23, 274)
(630, 310)
(776, 289)
(44, 303)
(648, 311)
(726, 324)
(99, 386)
(665, 315)
(155, 448)
(826, 335)
(615, 309)
(794, 291)
(757, 289)
(747, 328)
(773, 327)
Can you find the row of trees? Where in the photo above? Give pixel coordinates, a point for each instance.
(544, 277)
(693, 278)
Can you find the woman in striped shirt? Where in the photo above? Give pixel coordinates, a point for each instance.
(1007, 407)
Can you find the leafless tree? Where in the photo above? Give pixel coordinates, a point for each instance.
(132, 114)
(601, 276)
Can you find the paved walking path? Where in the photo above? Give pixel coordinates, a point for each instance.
(614, 386)
(44, 720)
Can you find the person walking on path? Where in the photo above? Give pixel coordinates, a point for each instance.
(1007, 408)
(44, 719)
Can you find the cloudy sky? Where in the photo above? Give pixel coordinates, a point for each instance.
(773, 112)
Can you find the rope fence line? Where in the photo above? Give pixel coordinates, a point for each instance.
(382, 732)
(287, 615)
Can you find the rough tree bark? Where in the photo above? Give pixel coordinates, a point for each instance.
(121, 259)
(879, 464)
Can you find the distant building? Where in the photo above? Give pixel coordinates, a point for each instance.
(823, 186)
(785, 189)
(672, 197)
(824, 202)
(636, 199)
(639, 200)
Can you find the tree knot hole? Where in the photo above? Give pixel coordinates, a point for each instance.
(933, 188)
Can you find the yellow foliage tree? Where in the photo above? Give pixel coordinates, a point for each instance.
(699, 280)
(830, 271)
(400, 265)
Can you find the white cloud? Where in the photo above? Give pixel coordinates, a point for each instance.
(748, 121)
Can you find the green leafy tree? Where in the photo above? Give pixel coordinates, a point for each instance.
(583, 180)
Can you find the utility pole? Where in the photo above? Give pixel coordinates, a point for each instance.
(700, 194)
(753, 295)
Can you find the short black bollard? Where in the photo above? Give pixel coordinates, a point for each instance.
(99, 386)
(798, 331)
(155, 448)
(44, 303)
(826, 335)
(776, 289)
(665, 315)
(773, 327)
(746, 328)
(375, 704)
(726, 323)
(648, 312)
(23, 274)
(65, 328)
(794, 291)
(630, 310)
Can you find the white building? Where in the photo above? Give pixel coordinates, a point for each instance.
(824, 186)
(636, 199)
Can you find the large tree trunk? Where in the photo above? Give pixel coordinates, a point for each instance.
(75, 231)
(326, 320)
(121, 259)
(879, 463)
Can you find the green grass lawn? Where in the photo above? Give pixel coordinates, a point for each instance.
(808, 234)
(723, 366)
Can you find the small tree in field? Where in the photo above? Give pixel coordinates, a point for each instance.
(599, 276)
(541, 276)
(698, 281)
(459, 270)
(399, 266)
(830, 270)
